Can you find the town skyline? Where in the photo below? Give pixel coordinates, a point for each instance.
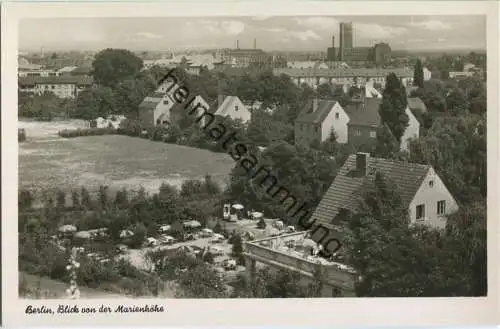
(291, 33)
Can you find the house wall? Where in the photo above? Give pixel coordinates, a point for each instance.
(242, 113)
(338, 125)
(60, 90)
(411, 132)
(429, 197)
(163, 107)
(364, 137)
(307, 133)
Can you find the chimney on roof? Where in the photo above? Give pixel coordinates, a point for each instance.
(362, 163)
(237, 44)
(314, 104)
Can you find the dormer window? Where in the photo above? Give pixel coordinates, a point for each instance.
(431, 183)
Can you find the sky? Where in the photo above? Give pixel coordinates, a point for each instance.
(287, 33)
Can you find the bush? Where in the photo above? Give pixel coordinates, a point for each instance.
(71, 133)
(261, 224)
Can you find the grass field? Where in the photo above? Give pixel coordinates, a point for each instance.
(47, 161)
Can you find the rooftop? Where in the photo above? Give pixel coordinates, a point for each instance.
(347, 191)
(55, 80)
(341, 72)
(323, 109)
(364, 112)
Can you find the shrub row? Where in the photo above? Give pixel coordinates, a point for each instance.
(69, 133)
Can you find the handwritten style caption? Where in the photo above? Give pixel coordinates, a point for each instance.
(80, 309)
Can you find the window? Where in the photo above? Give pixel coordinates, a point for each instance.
(373, 134)
(315, 129)
(441, 207)
(420, 212)
(431, 183)
(337, 115)
(53, 87)
(165, 102)
(301, 127)
(357, 132)
(236, 108)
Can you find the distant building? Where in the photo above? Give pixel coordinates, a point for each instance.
(421, 189)
(314, 77)
(381, 53)
(345, 39)
(347, 52)
(242, 58)
(331, 53)
(61, 86)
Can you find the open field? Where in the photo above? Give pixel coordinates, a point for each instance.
(47, 161)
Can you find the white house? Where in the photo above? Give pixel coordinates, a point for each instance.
(233, 107)
(356, 123)
(319, 119)
(421, 190)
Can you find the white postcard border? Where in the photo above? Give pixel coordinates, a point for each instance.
(343, 311)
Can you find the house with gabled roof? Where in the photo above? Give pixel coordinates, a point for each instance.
(364, 122)
(357, 123)
(421, 189)
(233, 107)
(318, 120)
(163, 109)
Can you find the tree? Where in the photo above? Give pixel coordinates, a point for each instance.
(387, 146)
(95, 102)
(237, 250)
(25, 200)
(418, 74)
(393, 106)
(218, 227)
(200, 282)
(456, 102)
(261, 224)
(111, 66)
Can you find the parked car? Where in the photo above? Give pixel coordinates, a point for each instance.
(121, 248)
(166, 239)
(189, 236)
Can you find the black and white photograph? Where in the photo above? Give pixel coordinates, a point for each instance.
(328, 156)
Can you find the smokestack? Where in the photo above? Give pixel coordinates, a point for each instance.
(255, 43)
(333, 41)
(237, 44)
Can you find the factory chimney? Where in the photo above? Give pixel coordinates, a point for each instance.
(237, 44)
(333, 41)
(255, 43)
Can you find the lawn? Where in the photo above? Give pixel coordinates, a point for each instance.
(47, 161)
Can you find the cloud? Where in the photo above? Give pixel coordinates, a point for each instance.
(260, 18)
(273, 29)
(148, 35)
(432, 25)
(377, 31)
(322, 23)
(230, 28)
(304, 35)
